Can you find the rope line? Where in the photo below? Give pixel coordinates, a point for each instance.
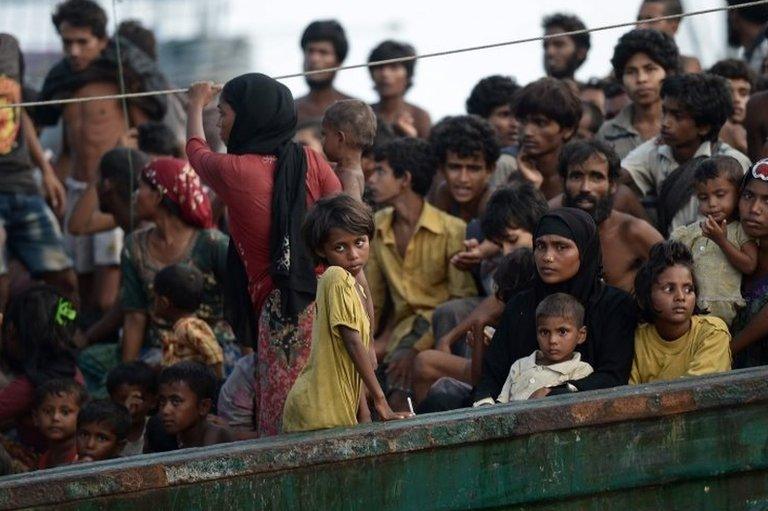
(398, 60)
(123, 98)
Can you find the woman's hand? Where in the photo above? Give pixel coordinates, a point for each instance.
(202, 93)
(470, 257)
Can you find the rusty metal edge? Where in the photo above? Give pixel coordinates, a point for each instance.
(446, 429)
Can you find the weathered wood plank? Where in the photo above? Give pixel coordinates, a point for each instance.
(564, 452)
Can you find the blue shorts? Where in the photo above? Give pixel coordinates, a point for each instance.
(32, 234)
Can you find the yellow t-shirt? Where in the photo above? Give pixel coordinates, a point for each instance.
(326, 393)
(704, 349)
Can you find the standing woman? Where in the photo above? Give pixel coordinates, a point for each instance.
(267, 182)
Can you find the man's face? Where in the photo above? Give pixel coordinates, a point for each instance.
(320, 55)
(588, 188)
(390, 80)
(541, 135)
(384, 186)
(642, 79)
(740, 91)
(649, 10)
(504, 123)
(467, 177)
(180, 408)
(678, 128)
(97, 441)
(56, 417)
(81, 47)
(561, 56)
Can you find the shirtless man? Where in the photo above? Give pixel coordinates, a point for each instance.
(392, 81)
(564, 55)
(90, 129)
(590, 172)
(325, 46)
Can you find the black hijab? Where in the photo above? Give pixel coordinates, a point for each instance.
(579, 227)
(265, 123)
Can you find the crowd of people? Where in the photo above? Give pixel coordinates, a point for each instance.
(231, 263)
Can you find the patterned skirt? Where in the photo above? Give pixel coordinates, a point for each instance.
(283, 351)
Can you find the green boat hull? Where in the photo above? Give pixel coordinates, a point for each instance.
(692, 444)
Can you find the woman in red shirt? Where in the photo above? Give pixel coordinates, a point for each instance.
(267, 181)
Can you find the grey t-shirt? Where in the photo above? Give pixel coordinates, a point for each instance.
(16, 170)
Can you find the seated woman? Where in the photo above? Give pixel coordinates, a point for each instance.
(750, 327)
(675, 341)
(566, 251)
(171, 198)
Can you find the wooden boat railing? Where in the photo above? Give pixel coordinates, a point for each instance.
(699, 443)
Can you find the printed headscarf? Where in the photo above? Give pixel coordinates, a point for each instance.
(175, 179)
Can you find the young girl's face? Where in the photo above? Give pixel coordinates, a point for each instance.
(718, 198)
(346, 249)
(673, 295)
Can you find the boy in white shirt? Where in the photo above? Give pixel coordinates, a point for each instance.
(559, 329)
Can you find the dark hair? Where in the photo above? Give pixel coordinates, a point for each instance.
(659, 47)
(577, 152)
(662, 255)
(394, 50)
(706, 98)
(568, 23)
(464, 135)
(340, 211)
(157, 138)
(489, 93)
(595, 115)
(35, 343)
(719, 165)
(142, 37)
(104, 411)
(58, 387)
(551, 98)
(81, 14)
(561, 305)
(122, 166)
(757, 14)
(135, 373)
(198, 377)
(519, 204)
(410, 155)
(355, 118)
(734, 69)
(384, 135)
(183, 285)
(514, 273)
(326, 30)
(671, 7)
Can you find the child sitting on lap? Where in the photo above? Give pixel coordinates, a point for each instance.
(675, 341)
(57, 403)
(329, 391)
(559, 329)
(178, 294)
(721, 249)
(102, 429)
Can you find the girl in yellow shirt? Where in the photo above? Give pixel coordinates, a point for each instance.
(329, 391)
(675, 341)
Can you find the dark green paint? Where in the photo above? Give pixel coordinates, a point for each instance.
(696, 444)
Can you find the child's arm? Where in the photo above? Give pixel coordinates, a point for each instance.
(352, 182)
(361, 359)
(363, 412)
(742, 258)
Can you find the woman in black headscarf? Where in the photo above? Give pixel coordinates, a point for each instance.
(567, 256)
(267, 182)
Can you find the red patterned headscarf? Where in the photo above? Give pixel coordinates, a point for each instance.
(175, 179)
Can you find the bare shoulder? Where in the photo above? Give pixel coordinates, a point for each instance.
(216, 434)
(556, 201)
(637, 230)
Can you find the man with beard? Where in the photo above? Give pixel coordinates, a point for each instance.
(564, 55)
(590, 172)
(325, 46)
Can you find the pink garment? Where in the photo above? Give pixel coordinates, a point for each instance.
(244, 183)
